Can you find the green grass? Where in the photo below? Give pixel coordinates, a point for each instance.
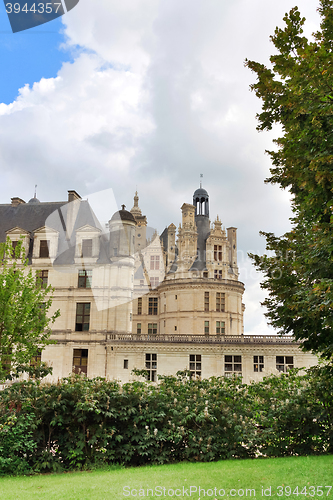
(228, 474)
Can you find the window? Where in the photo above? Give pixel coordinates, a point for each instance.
(220, 327)
(14, 245)
(195, 365)
(85, 278)
(138, 328)
(175, 328)
(82, 319)
(284, 363)
(154, 262)
(42, 278)
(80, 361)
(258, 363)
(36, 360)
(44, 248)
(206, 303)
(220, 302)
(206, 327)
(176, 296)
(218, 252)
(125, 364)
(151, 367)
(154, 282)
(218, 274)
(86, 248)
(115, 252)
(152, 306)
(139, 306)
(232, 364)
(205, 274)
(152, 328)
(6, 359)
(142, 282)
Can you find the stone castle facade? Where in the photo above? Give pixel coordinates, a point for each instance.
(133, 300)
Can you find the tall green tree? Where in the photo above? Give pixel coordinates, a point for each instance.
(24, 306)
(297, 93)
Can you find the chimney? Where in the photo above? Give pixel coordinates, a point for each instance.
(73, 195)
(17, 201)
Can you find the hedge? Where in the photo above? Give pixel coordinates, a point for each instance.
(83, 423)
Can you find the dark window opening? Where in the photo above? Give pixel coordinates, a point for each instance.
(139, 306)
(258, 363)
(154, 262)
(220, 302)
(125, 364)
(152, 306)
(82, 320)
(284, 363)
(232, 364)
(152, 328)
(37, 359)
(87, 248)
(151, 367)
(206, 303)
(42, 278)
(14, 245)
(218, 253)
(85, 278)
(80, 361)
(195, 365)
(218, 274)
(220, 327)
(44, 248)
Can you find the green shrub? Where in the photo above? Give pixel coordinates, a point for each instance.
(85, 423)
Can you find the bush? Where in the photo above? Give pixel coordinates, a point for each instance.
(83, 423)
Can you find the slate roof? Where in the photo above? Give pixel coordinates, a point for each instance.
(28, 216)
(34, 215)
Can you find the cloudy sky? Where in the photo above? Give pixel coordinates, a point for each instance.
(147, 95)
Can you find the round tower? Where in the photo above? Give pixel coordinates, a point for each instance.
(121, 252)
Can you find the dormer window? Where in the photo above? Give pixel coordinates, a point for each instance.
(45, 243)
(18, 234)
(87, 244)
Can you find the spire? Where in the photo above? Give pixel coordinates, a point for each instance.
(136, 210)
(35, 195)
(201, 176)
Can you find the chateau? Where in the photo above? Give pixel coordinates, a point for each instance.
(133, 300)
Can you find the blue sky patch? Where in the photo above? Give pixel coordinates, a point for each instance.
(28, 56)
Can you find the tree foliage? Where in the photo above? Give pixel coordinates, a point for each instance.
(297, 93)
(24, 306)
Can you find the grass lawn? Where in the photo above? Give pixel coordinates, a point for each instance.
(235, 477)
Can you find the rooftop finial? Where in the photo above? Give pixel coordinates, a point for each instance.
(201, 176)
(123, 207)
(35, 195)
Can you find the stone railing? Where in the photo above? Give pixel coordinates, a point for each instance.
(200, 339)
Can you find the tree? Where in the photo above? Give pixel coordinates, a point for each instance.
(297, 93)
(24, 305)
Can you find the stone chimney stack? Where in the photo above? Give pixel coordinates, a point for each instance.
(17, 201)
